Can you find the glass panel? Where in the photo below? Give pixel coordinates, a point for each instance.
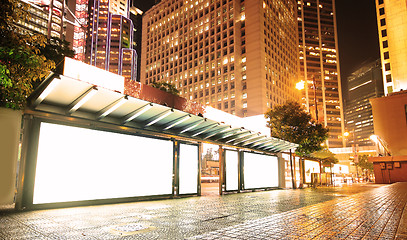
(232, 170)
(76, 164)
(310, 167)
(188, 169)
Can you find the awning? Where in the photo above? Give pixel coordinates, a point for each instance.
(71, 97)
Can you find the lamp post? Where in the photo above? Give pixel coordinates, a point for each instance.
(301, 85)
(354, 151)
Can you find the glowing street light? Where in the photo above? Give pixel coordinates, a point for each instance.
(374, 138)
(300, 85)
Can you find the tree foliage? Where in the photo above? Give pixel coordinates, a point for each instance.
(166, 87)
(364, 163)
(21, 61)
(327, 157)
(292, 123)
(56, 50)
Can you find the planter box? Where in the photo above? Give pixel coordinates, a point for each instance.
(10, 126)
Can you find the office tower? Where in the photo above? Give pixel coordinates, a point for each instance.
(392, 26)
(136, 18)
(79, 38)
(45, 17)
(364, 84)
(319, 66)
(239, 56)
(109, 43)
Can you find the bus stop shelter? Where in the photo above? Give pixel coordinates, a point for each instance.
(87, 143)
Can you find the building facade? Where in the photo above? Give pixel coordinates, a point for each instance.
(237, 56)
(110, 38)
(45, 17)
(319, 66)
(79, 38)
(365, 83)
(136, 17)
(392, 27)
(390, 117)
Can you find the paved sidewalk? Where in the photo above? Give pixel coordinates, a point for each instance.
(370, 215)
(350, 212)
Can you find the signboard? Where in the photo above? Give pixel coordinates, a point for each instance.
(93, 75)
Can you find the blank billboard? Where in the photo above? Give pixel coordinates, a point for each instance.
(76, 164)
(260, 171)
(188, 169)
(232, 170)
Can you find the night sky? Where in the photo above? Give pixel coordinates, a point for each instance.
(357, 33)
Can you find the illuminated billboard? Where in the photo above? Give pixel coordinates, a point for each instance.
(93, 75)
(232, 170)
(188, 169)
(260, 171)
(75, 164)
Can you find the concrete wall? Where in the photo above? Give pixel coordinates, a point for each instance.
(390, 121)
(10, 125)
(390, 169)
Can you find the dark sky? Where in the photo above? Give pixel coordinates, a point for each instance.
(357, 33)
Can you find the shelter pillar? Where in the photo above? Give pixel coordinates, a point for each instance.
(221, 170)
(281, 171)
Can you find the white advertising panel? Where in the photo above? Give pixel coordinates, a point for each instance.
(93, 75)
(188, 169)
(232, 170)
(260, 171)
(76, 164)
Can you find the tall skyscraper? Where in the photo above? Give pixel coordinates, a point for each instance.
(79, 38)
(110, 37)
(239, 56)
(45, 17)
(364, 84)
(392, 26)
(136, 17)
(319, 66)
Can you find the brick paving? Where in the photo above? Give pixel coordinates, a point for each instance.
(369, 215)
(350, 212)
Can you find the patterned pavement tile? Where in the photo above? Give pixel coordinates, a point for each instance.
(351, 212)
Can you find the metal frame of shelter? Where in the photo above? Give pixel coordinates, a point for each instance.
(67, 101)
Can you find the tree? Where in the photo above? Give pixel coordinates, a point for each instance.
(21, 61)
(56, 50)
(166, 87)
(364, 163)
(326, 156)
(292, 123)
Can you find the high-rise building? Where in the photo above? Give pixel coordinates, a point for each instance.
(110, 37)
(239, 56)
(79, 38)
(136, 17)
(392, 26)
(45, 17)
(319, 66)
(364, 84)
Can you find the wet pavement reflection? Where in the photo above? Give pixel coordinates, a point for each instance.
(360, 211)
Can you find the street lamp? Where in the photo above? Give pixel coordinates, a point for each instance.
(354, 150)
(301, 85)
